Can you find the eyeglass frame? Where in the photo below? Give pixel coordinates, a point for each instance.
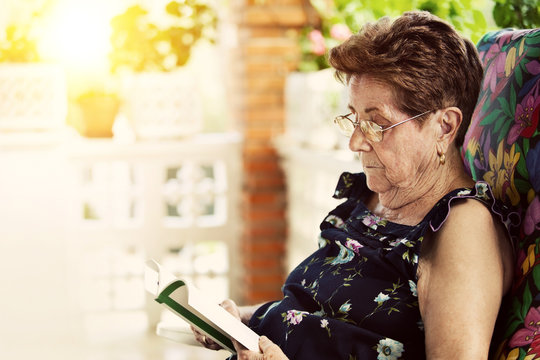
(356, 124)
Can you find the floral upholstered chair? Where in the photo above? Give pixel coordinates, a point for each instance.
(502, 147)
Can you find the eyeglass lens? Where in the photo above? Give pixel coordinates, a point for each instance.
(345, 124)
(371, 130)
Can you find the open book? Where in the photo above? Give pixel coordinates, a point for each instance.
(185, 300)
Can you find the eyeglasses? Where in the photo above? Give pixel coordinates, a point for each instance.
(371, 130)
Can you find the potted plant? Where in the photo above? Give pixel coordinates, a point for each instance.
(161, 100)
(93, 112)
(33, 93)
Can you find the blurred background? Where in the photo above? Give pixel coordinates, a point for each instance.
(195, 132)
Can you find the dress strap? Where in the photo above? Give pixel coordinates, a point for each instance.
(481, 192)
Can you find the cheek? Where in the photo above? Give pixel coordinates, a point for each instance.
(398, 169)
(402, 165)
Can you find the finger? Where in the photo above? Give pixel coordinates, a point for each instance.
(195, 331)
(212, 345)
(231, 307)
(238, 347)
(204, 340)
(249, 355)
(198, 335)
(228, 304)
(270, 350)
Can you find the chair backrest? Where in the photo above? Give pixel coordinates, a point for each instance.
(502, 147)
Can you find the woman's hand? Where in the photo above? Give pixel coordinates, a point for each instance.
(269, 350)
(204, 340)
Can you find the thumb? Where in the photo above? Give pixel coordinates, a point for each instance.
(249, 355)
(265, 344)
(270, 350)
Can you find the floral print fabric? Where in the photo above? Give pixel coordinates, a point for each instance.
(356, 296)
(502, 148)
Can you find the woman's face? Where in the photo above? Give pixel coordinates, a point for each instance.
(402, 165)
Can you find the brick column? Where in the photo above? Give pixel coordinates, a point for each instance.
(267, 50)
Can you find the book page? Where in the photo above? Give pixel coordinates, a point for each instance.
(156, 277)
(180, 296)
(223, 319)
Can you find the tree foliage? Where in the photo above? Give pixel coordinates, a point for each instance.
(472, 18)
(521, 14)
(467, 16)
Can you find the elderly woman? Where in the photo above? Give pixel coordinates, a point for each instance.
(415, 262)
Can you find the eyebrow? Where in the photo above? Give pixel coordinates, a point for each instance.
(368, 110)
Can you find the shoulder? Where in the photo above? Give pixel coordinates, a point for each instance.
(464, 270)
(480, 195)
(469, 211)
(469, 223)
(471, 235)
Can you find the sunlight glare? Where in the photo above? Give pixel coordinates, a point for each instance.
(78, 34)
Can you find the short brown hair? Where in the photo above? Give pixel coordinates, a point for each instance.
(427, 63)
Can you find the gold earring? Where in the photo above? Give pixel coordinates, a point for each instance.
(442, 159)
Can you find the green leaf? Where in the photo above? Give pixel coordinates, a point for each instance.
(536, 276)
(516, 307)
(505, 106)
(521, 166)
(392, 310)
(519, 78)
(479, 19)
(533, 52)
(405, 256)
(522, 186)
(513, 97)
(527, 300)
(504, 130)
(512, 327)
(491, 117)
(498, 124)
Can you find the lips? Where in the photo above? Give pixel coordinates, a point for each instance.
(372, 166)
(371, 163)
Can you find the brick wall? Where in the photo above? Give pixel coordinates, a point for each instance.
(267, 50)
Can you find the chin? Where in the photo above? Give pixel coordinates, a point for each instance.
(376, 183)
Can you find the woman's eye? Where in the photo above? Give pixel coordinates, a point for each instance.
(379, 120)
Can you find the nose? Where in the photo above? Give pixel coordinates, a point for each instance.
(358, 141)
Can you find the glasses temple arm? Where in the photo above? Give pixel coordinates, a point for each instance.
(412, 118)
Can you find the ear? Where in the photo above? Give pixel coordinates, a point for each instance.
(448, 123)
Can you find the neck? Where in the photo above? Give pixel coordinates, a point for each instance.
(410, 205)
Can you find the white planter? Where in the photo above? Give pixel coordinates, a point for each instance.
(33, 96)
(163, 105)
(312, 101)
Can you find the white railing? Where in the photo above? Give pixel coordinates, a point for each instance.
(80, 217)
(174, 201)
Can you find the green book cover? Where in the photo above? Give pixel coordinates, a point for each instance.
(192, 305)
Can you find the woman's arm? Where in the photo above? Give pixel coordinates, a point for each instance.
(244, 312)
(464, 271)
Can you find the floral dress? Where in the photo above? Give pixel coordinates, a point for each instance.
(355, 297)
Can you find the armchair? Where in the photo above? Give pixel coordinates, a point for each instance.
(502, 147)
